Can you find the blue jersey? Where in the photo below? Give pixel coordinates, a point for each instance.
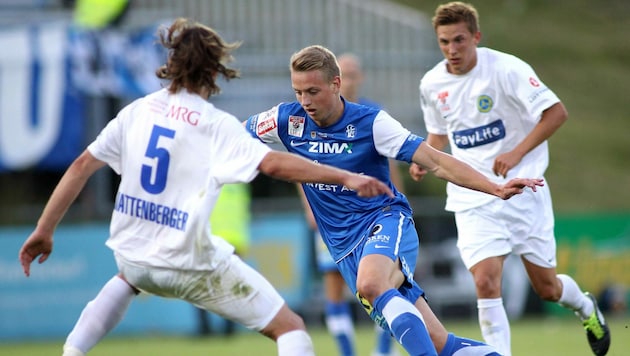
(361, 141)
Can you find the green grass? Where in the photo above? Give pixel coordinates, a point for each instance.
(540, 337)
(580, 49)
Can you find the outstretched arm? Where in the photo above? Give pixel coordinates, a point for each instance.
(41, 239)
(449, 168)
(293, 168)
(439, 142)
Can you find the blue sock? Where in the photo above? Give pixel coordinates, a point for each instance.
(339, 324)
(383, 341)
(405, 322)
(460, 346)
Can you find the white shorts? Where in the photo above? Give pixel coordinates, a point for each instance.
(234, 290)
(522, 225)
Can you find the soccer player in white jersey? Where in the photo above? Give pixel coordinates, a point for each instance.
(373, 241)
(174, 150)
(497, 116)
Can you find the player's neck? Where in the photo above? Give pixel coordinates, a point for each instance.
(335, 114)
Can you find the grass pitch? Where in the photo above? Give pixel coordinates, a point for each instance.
(539, 336)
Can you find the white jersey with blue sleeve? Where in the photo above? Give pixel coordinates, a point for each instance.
(361, 141)
(486, 112)
(173, 152)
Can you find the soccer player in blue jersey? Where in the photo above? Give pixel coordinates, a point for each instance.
(373, 241)
(337, 311)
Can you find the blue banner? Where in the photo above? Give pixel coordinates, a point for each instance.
(46, 73)
(49, 302)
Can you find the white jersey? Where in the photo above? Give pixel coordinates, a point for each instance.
(173, 152)
(486, 112)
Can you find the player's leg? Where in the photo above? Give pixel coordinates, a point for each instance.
(244, 296)
(384, 343)
(562, 289)
(337, 315)
(386, 263)
(449, 344)
(493, 320)
(392, 308)
(377, 290)
(99, 316)
(483, 242)
(539, 257)
(288, 330)
(443, 342)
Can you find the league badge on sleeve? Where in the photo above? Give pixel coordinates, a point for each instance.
(296, 126)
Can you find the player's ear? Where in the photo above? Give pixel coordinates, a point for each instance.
(477, 37)
(336, 84)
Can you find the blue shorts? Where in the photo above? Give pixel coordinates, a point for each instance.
(393, 234)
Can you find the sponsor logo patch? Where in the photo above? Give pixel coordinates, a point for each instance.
(266, 126)
(296, 126)
(479, 136)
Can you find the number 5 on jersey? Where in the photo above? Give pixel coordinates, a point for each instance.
(153, 177)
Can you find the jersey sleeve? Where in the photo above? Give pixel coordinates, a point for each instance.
(430, 112)
(528, 89)
(240, 153)
(107, 146)
(264, 125)
(392, 140)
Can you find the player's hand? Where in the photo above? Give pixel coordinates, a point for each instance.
(367, 186)
(37, 244)
(517, 185)
(417, 172)
(504, 162)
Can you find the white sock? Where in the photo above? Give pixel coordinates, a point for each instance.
(296, 342)
(340, 325)
(71, 351)
(573, 298)
(494, 324)
(100, 315)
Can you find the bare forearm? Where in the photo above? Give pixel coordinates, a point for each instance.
(447, 167)
(67, 191)
(550, 122)
(293, 168)
(460, 173)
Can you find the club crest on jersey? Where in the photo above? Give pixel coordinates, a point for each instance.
(296, 126)
(351, 131)
(442, 99)
(484, 103)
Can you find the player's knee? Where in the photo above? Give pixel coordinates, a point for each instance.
(368, 289)
(550, 292)
(285, 321)
(487, 286)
